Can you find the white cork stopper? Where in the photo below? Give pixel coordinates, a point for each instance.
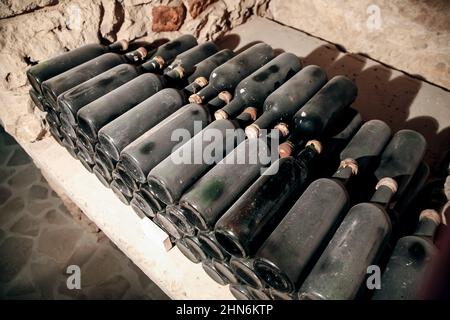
(387, 182)
(195, 98)
(316, 144)
(351, 163)
(430, 214)
(220, 115)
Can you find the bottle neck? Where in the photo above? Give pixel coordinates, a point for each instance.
(233, 108)
(118, 46)
(347, 169)
(215, 104)
(386, 188)
(153, 65)
(135, 56)
(428, 224)
(204, 95)
(307, 155)
(245, 118)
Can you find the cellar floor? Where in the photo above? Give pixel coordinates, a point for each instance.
(40, 238)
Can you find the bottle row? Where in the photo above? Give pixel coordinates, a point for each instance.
(256, 166)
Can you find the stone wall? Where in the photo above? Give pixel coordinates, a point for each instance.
(410, 35)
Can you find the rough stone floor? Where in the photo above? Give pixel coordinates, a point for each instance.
(40, 238)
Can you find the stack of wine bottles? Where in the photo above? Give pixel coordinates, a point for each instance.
(313, 201)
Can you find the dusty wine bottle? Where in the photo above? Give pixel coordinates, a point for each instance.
(145, 201)
(213, 193)
(325, 106)
(283, 103)
(169, 226)
(252, 218)
(71, 101)
(341, 269)
(53, 87)
(123, 130)
(243, 269)
(228, 75)
(211, 246)
(284, 257)
(144, 153)
(167, 52)
(179, 171)
(92, 117)
(196, 248)
(202, 70)
(103, 176)
(184, 63)
(118, 188)
(52, 67)
(410, 260)
(254, 89)
(102, 156)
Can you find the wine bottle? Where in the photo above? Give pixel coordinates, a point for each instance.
(123, 130)
(283, 259)
(202, 70)
(102, 156)
(211, 246)
(167, 52)
(179, 171)
(92, 117)
(359, 240)
(213, 193)
(186, 250)
(259, 294)
(240, 292)
(131, 184)
(118, 189)
(253, 90)
(69, 145)
(146, 201)
(323, 108)
(243, 269)
(410, 260)
(278, 295)
(283, 103)
(196, 248)
(228, 75)
(208, 267)
(102, 175)
(252, 218)
(184, 63)
(72, 100)
(53, 87)
(178, 217)
(143, 154)
(224, 269)
(85, 161)
(52, 67)
(37, 99)
(169, 226)
(54, 131)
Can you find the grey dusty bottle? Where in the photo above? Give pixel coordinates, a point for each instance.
(146, 201)
(322, 109)
(52, 67)
(72, 100)
(284, 102)
(342, 268)
(253, 90)
(99, 112)
(101, 155)
(187, 251)
(283, 259)
(167, 52)
(55, 86)
(216, 191)
(184, 63)
(410, 261)
(251, 219)
(228, 75)
(202, 70)
(153, 146)
(179, 171)
(120, 132)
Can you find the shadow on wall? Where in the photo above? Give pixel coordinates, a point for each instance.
(379, 96)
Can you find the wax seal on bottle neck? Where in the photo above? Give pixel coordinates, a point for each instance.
(282, 128)
(225, 96)
(201, 81)
(316, 144)
(389, 183)
(351, 163)
(195, 98)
